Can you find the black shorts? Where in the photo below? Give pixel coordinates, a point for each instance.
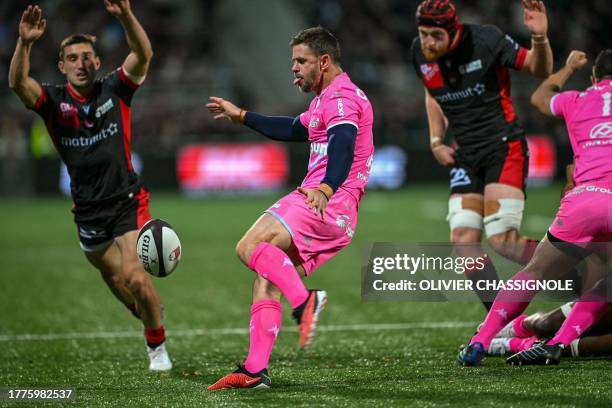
(99, 224)
(506, 163)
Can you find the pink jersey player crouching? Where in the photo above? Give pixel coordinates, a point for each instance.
(310, 225)
(583, 219)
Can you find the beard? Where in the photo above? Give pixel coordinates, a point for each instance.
(311, 82)
(306, 86)
(432, 55)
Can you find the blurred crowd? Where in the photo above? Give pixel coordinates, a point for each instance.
(375, 37)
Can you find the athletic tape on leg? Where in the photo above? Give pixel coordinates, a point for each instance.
(507, 217)
(460, 217)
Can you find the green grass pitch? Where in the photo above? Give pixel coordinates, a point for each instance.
(95, 346)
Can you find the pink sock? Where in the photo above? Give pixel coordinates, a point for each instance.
(518, 344)
(508, 304)
(266, 320)
(519, 329)
(582, 316)
(274, 265)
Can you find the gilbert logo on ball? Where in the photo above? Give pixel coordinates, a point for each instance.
(158, 248)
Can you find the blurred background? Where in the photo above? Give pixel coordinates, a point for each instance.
(238, 49)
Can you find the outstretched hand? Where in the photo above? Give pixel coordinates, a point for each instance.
(316, 200)
(117, 8)
(32, 25)
(534, 16)
(222, 109)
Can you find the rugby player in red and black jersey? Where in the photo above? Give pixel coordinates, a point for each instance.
(88, 120)
(465, 70)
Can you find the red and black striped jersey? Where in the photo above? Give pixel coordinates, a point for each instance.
(92, 136)
(472, 85)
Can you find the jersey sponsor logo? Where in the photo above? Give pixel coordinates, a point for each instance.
(601, 135)
(68, 110)
(511, 41)
(314, 122)
(470, 92)
(340, 107)
(109, 131)
(459, 177)
(432, 77)
(86, 109)
(470, 67)
(601, 131)
(317, 152)
(106, 106)
(595, 189)
(69, 115)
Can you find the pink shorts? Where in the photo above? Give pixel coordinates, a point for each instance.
(317, 240)
(585, 215)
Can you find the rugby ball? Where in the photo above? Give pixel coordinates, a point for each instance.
(158, 247)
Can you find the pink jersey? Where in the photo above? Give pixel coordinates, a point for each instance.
(589, 123)
(341, 102)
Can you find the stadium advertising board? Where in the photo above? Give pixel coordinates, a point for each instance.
(232, 168)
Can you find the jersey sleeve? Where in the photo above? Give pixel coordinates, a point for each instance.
(505, 50)
(119, 84)
(305, 119)
(340, 108)
(561, 103)
(48, 99)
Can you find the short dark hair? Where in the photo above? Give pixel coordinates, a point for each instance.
(320, 41)
(603, 65)
(77, 39)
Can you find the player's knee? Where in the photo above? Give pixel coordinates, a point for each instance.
(463, 235)
(501, 243)
(139, 285)
(242, 250)
(465, 219)
(501, 216)
(246, 246)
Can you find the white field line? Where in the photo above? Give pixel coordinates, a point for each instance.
(238, 331)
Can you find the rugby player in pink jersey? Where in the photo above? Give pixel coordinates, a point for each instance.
(582, 221)
(307, 227)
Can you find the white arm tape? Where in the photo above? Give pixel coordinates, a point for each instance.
(134, 78)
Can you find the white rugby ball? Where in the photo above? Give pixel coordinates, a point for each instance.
(158, 247)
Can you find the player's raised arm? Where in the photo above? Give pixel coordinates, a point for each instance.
(138, 60)
(437, 129)
(539, 59)
(282, 128)
(553, 84)
(31, 28)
